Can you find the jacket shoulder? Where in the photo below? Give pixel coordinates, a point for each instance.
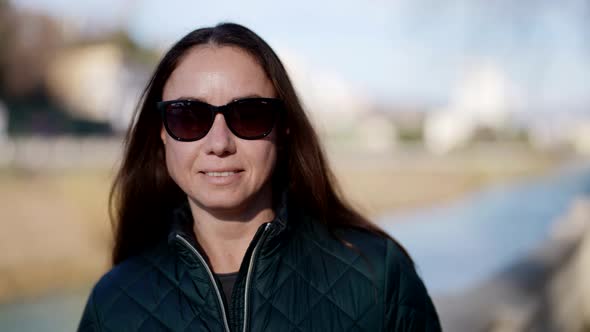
(344, 238)
(407, 303)
(403, 285)
(409, 306)
(127, 289)
(132, 272)
(404, 300)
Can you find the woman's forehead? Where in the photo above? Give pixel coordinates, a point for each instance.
(217, 75)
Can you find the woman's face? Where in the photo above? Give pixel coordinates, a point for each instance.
(220, 172)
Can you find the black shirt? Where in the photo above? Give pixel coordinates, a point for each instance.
(227, 283)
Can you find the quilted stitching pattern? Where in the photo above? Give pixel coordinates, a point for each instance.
(146, 294)
(313, 283)
(323, 280)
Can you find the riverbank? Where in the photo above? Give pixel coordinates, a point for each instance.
(546, 291)
(56, 233)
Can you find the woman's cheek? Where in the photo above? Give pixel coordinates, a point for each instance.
(179, 161)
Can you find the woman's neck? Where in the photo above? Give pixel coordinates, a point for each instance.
(225, 235)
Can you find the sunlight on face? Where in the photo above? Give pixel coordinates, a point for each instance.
(217, 75)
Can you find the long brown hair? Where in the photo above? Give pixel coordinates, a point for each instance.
(143, 193)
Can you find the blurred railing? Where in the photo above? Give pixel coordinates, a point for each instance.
(60, 152)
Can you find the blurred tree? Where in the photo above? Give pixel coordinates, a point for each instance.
(411, 135)
(133, 51)
(29, 41)
(6, 36)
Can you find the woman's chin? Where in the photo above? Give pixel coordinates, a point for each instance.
(221, 202)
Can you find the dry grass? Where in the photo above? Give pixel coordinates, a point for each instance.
(56, 233)
(380, 185)
(55, 230)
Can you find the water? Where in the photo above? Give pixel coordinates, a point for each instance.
(57, 312)
(458, 245)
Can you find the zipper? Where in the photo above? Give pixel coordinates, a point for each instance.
(248, 275)
(193, 249)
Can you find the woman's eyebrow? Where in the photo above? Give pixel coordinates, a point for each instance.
(251, 95)
(190, 98)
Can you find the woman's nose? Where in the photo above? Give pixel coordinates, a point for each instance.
(219, 140)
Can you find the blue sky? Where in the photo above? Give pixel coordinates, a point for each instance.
(397, 50)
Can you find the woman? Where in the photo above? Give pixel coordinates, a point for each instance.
(227, 216)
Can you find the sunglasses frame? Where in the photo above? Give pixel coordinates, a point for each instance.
(223, 109)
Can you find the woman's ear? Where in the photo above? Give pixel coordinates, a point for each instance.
(163, 135)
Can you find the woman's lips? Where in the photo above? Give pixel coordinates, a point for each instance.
(221, 177)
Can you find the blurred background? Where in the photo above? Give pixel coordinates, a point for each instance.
(462, 127)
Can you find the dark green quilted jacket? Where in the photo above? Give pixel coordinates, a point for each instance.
(295, 276)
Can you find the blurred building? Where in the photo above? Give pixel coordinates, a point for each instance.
(561, 132)
(550, 132)
(485, 98)
(581, 137)
(377, 133)
(96, 82)
(66, 75)
(344, 115)
(85, 79)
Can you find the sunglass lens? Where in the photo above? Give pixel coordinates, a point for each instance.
(251, 119)
(188, 120)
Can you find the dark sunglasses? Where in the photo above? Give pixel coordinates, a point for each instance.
(191, 120)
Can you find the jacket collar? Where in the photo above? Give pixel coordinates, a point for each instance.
(181, 223)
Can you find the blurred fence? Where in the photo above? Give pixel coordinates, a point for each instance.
(60, 152)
